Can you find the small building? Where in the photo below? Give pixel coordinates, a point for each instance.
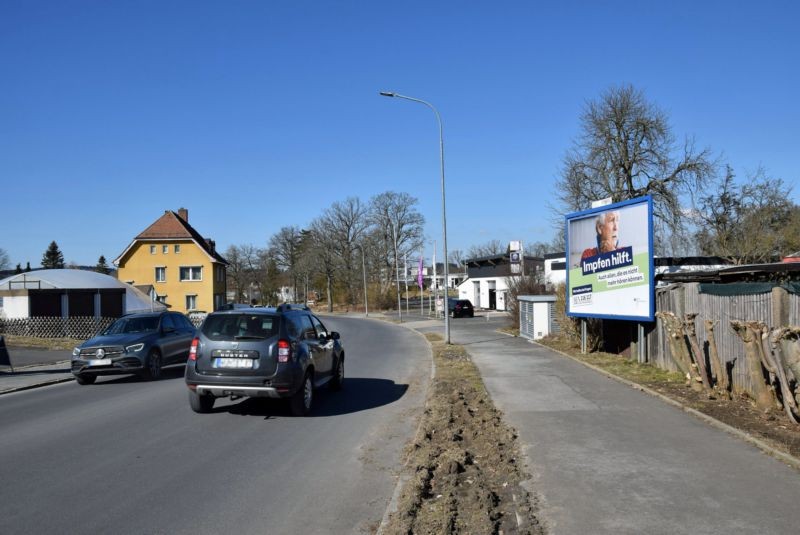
(486, 285)
(537, 317)
(555, 269)
(66, 293)
(185, 269)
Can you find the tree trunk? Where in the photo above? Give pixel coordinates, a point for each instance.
(719, 369)
(773, 351)
(678, 350)
(699, 356)
(762, 396)
(329, 291)
(788, 338)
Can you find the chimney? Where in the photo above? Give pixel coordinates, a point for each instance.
(183, 213)
(212, 245)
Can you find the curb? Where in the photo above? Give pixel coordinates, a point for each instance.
(36, 385)
(391, 507)
(784, 457)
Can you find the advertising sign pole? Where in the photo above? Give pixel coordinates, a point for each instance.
(583, 335)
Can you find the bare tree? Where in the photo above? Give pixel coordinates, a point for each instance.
(324, 244)
(397, 228)
(457, 257)
(285, 246)
(626, 149)
(347, 223)
(271, 277)
(538, 249)
(490, 248)
(747, 223)
(235, 272)
(5, 261)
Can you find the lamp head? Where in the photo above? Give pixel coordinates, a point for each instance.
(387, 93)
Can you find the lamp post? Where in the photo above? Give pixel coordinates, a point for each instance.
(444, 211)
(397, 271)
(364, 270)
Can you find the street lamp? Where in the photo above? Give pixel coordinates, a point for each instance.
(444, 211)
(396, 271)
(364, 269)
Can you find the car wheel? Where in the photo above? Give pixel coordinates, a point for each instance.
(302, 400)
(85, 379)
(152, 368)
(201, 404)
(337, 381)
(472, 314)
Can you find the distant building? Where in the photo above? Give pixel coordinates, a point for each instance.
(486, 285)
(65, 293)
(185, 270)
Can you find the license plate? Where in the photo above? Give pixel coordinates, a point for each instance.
(100, 362)
(233, 363)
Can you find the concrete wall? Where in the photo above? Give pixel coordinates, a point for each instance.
(15, 306)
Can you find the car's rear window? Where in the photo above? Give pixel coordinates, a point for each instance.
(240, 326)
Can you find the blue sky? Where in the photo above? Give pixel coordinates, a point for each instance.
(257, 115)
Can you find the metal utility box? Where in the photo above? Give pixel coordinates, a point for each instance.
(536, 316)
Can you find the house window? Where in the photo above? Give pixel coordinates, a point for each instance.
(177, 248)
(191, 273)
(220, 274)
(161, 274)
(165, 249)
(161, 298)
(152, 249)
(191, 302)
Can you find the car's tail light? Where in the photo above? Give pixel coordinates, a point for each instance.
(284, 351)
(193, 349)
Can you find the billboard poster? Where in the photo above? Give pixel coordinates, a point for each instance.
(610, 261)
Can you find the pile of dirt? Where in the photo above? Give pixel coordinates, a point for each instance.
(464, 473)
(772, 427)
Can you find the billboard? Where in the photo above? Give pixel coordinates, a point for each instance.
(610, 261)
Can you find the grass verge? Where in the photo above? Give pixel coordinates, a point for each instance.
(464, 475)
(41, 343)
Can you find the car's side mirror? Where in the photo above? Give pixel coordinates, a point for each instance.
(334, 335)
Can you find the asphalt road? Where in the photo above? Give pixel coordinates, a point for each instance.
(124, 456)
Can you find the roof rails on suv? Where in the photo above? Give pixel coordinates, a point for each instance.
(291, 306)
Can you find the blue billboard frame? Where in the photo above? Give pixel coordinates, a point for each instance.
(648, 200)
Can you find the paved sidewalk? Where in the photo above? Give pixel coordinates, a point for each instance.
(34, 376)
(608, 459)
(34, 367)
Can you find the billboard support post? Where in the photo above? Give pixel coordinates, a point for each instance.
(640, 343)
(583, 336)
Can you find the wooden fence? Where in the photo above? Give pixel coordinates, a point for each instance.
(685, 298)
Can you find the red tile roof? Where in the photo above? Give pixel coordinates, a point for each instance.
(171, 226)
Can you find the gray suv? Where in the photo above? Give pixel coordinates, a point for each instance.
(138, 344)
(283, 352)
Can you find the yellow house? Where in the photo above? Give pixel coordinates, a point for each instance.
(184, 268)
